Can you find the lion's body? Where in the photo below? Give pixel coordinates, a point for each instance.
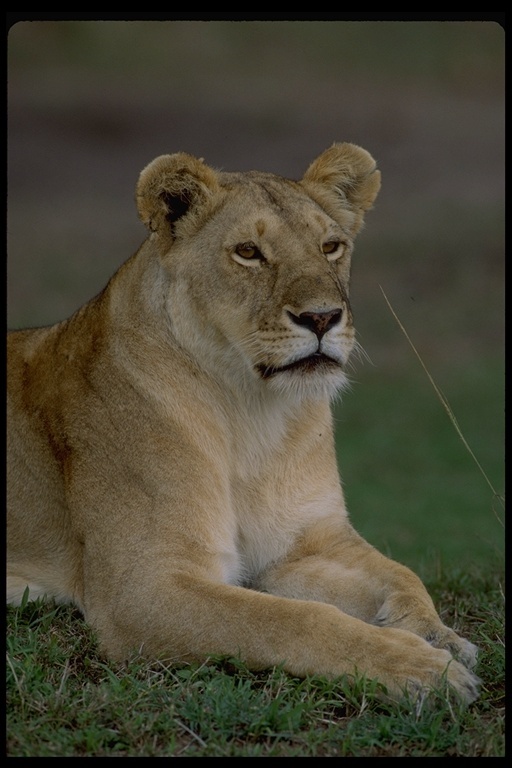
(171, 461)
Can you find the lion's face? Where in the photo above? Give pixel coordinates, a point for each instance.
(266, 288)
(258, 270)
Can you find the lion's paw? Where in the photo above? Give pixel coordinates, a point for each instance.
(419, 669)
(462, 650)
(464, 682)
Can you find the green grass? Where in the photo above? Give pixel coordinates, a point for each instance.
(412, 487)
(416, 493)
(64, 700)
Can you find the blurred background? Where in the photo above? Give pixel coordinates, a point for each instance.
(90, 103)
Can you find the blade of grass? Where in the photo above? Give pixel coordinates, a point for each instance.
(445, 405)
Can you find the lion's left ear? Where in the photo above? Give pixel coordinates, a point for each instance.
(173, 187)
(344, 175)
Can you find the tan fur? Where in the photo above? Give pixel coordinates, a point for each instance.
(171, 465)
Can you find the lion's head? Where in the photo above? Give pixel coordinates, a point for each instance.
(257, 266)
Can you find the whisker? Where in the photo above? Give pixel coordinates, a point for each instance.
(360, 352)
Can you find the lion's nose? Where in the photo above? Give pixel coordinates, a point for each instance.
(318, 322)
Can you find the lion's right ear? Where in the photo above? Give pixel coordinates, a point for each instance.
(173, 186)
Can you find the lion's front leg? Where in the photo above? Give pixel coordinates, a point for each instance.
(187, 616)
(332, 563)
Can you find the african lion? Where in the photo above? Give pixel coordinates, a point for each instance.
(171, 461)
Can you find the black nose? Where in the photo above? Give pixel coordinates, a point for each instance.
(318, 322)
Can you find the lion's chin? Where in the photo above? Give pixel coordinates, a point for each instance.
(316, 377)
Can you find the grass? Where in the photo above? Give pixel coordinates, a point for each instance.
(424, 501)
(412, 488)
(64, 700)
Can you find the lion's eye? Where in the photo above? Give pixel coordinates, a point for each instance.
(248, 251)
(333, 249)
(331, 246)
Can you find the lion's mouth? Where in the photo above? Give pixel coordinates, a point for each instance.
(315, 362)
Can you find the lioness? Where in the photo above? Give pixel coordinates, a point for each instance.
(171, 461)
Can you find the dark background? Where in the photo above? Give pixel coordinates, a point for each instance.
(91, 103)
